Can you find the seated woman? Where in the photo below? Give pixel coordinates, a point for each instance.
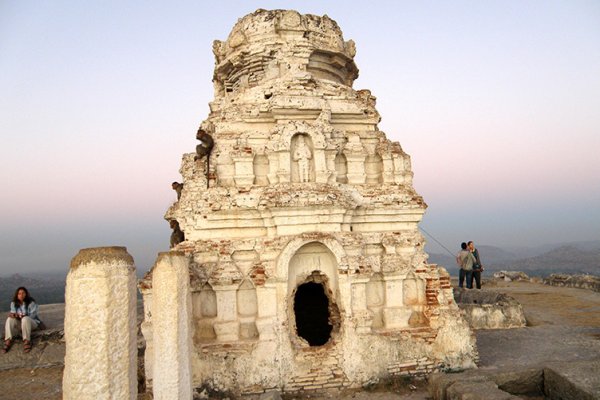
(22, 319)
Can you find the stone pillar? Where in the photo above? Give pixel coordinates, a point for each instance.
(273, 167)
(359, 295)
(284, 172)
(360, 313)
(322, 171)
(356, 168)
(146, 328)
(172, 326)
(388, 168)
(227, 326)
(100, 326)
(267, 311)
(244, 169)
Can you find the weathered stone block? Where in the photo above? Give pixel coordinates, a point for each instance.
(485, 309)
(100, 326)
(579, 380)
(172, 335)
(524, 381)
(477, 390)
(396, 317)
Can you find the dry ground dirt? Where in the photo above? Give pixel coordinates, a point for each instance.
(563, 325)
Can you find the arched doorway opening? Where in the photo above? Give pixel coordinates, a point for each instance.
(313, 292)
(311, 308)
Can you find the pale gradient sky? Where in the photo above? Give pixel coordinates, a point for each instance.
(497, 102)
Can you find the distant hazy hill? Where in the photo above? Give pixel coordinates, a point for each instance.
(494, 255)
(46, 288)
(444, 260)
(528, 252)
(563, 259)
(572, 258)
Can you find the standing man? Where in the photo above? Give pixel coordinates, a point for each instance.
(465, 260)
(477, 267)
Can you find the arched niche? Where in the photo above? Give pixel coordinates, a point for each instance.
(374, 169)
(413, 290)
(247, 304)
(341, 168)
(285, 270)
(208, 302)
(375, 291)
(312, 256)
(205, 311)
(261, 169)
(302, 158)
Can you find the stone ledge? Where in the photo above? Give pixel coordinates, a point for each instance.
(485, 309)
(46, 351)
(589, 282)
(561, 380)
(574, 380)
(48, 344)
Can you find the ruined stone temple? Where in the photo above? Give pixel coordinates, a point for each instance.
(304, 267)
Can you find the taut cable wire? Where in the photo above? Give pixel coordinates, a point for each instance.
(435, 240)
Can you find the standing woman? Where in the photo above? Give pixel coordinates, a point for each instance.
(22, 318)
(477, 267)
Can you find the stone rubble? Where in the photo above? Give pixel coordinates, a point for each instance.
(590, 282)
(509, 276)
(555, 380)
(486, 309)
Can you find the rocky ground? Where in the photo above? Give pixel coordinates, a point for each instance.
(563, 325)
(37, 375)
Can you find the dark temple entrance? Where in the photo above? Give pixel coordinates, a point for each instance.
(311, 307)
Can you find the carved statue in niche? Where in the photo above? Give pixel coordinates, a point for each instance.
(302, 156)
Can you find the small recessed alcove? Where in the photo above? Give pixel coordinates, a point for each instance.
(341, 168)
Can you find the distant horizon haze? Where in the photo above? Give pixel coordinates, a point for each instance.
(496, 103)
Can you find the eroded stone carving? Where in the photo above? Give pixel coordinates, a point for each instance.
(302, 156)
